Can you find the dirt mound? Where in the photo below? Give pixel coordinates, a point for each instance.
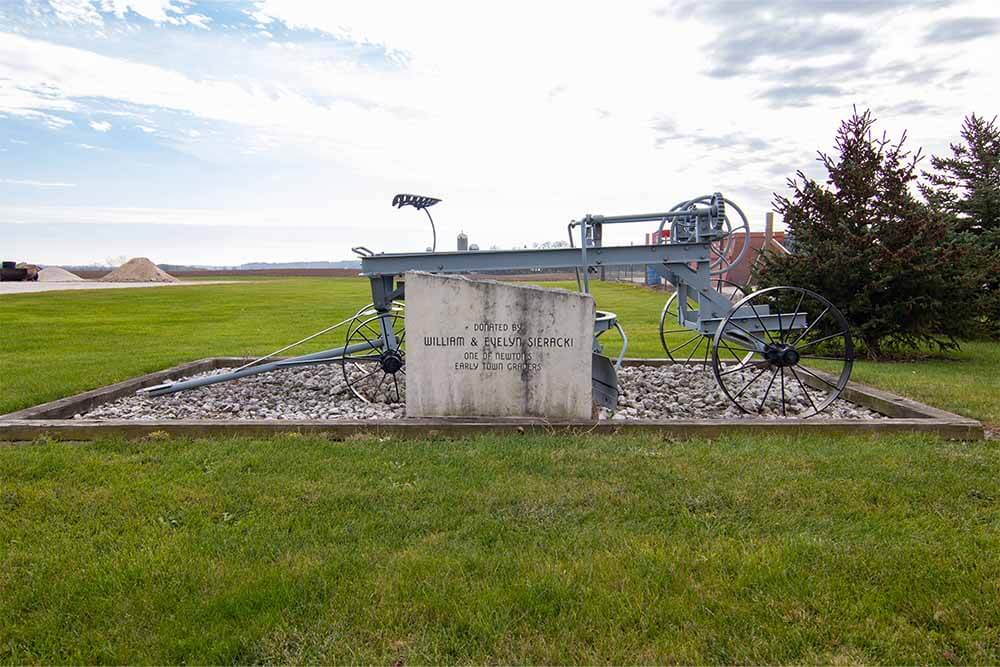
(57, 274)
(139, 270)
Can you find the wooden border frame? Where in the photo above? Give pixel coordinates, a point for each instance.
(55, 418)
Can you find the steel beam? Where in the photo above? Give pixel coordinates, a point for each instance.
(194, 383)
(549, 258)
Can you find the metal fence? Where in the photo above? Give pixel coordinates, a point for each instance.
(628, 273)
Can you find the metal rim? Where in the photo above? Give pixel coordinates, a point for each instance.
(811, 330)
(722, 249)
(669, 314)
(377, 375)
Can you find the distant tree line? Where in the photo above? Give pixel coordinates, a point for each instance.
(912, 259)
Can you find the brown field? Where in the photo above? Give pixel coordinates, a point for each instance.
(208, 273)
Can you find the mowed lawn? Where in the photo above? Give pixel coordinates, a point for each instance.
(546, 549)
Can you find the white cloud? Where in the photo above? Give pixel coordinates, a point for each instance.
(100, 125)
(198, 20)
(36, 184)
(155, 10)
(146, 129)
(77, 11)
(158, 11)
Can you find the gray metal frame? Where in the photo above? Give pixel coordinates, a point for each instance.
(687, 265)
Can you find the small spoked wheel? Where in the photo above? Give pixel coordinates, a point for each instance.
(683, 344)
(375, 360)
(794, 353)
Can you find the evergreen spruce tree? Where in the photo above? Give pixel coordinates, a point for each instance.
(966, 187)
(864, 241)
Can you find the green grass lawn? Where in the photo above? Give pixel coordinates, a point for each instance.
(533, 549)
(541, 549)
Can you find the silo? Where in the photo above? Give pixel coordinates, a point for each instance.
(463, 242)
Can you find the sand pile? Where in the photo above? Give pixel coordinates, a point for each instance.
(57, 274)
(139, 270)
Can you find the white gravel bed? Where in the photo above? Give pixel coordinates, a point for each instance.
(319, 392)
(690, 391)
(309, 392)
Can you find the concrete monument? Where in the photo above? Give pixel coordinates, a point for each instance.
(484, 348)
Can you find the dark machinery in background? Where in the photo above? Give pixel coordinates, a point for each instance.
(14, 272)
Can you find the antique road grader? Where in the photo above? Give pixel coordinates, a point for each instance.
(776, 338)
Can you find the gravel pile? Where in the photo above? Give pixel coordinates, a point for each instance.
(319, 392)
(139, 270)
(57, 274)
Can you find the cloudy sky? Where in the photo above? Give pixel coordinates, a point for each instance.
(225, 131)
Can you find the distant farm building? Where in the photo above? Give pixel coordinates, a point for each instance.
(740, 273)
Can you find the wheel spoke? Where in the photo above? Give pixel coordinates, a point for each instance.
(819, 356)
(396, 383)
(738, 359)
(755, 364)
(781, 327)
(760, 321)
(687, 342)
(377, 334)
(803, 387)
(365, 376)
(782, 381)
(820, 340)
(379, 386)
(762, 343)
(767, 391)
(747, 385)
(795, 313)
(362, 334)
(694, 349)
(806, 370)
(809, 328)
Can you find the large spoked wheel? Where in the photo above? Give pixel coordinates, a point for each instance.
(374, 369)
(795, 349)
(683, 344)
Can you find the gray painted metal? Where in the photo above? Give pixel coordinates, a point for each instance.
(686, 262)
(396, 264)
(603, 381)
(325, 356)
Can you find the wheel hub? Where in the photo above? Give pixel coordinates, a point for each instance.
(781, 355)
(391, 361)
